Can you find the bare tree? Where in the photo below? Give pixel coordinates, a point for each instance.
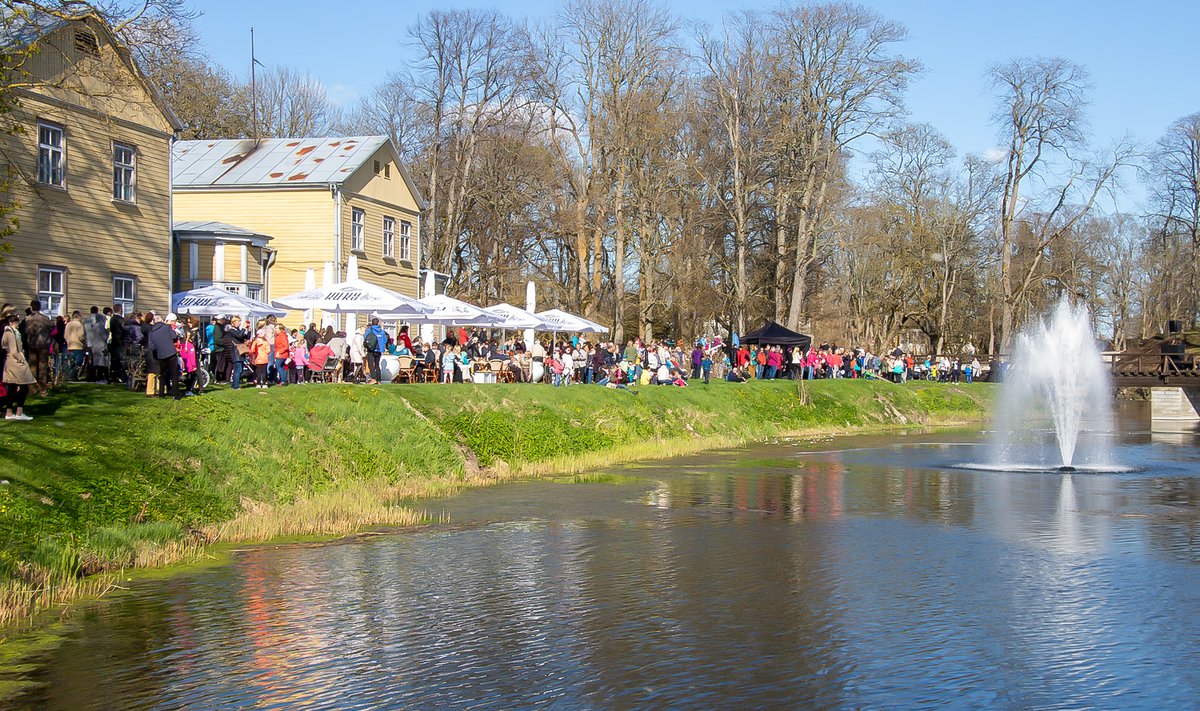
(940, 209)
(1040, 104)
(1174, 174)
(469, 82)
(593, 69)
(735, 97)
(293, 103)
(838, 82)
(391, 110)
(208, 101)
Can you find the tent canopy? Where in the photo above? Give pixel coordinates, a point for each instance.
(215, 301)
(773, 334)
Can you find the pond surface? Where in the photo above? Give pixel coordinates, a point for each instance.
(848, 573)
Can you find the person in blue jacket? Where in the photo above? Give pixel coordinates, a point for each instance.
(374, 343)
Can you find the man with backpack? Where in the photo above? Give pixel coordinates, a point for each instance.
(374, 341)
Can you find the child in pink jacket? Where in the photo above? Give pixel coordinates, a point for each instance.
(299, 356)
(187, 361)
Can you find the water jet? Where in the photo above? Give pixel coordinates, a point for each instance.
(1055, 410)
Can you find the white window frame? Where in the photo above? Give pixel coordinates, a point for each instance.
(127, 304)
(406, 240)
(389, 237)
(358, 224)
(50, 172)
(124, 173)
(48, 295)
(254, 291)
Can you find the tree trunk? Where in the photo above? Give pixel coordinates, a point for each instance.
(619, 256)
(582, 245)
(805, 247)
(646, 271)
(781, 207)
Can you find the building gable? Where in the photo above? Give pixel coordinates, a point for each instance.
(382, 178)
(79, 65)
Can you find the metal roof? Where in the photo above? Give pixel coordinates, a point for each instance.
(271, 161)
(209, 227)
(19, 29)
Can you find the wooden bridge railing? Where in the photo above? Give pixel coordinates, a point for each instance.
(1160, 365)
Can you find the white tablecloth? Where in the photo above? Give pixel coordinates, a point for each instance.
(389, 365)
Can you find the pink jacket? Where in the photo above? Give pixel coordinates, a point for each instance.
(187, 353)
(300, 353)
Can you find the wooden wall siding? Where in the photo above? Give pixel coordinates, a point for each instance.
(81, 228)
(378, 196)
(395, 273)
(392, 190)
(205, 251)
(233, 263)
(104, 84)
(204, 261)
(299, 221)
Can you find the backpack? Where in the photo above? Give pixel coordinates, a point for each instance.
(371, 342)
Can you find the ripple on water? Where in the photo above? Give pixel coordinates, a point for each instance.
(825, 580)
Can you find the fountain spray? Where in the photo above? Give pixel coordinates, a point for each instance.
(1057, 377)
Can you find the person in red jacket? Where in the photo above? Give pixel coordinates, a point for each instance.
(402, 338)
(283, 353)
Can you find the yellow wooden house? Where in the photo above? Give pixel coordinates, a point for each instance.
(89, 169)
(321, 200)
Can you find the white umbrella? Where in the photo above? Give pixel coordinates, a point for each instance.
(354, 296)
(214, 301)
(514, 317)
(559, 321)
(442, 309)
(593, 326)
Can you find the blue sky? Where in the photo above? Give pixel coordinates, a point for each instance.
(1143, 56)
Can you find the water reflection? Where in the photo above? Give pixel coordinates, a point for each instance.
(782, 576)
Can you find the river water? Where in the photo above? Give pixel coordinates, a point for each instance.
(847, 573)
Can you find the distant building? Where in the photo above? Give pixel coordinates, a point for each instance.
(89, 171)
(216, 254)
(320, 199)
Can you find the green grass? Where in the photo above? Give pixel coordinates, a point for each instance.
(103, 479)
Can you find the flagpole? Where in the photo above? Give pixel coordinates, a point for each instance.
(253, 90)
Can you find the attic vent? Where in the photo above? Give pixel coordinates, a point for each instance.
(86, 43)
(376, 167)
(387, 170)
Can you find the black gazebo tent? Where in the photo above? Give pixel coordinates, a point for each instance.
(773, 334)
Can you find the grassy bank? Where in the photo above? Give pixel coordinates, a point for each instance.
(103, 480)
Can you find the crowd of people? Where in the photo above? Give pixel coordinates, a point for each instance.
(177, 357)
